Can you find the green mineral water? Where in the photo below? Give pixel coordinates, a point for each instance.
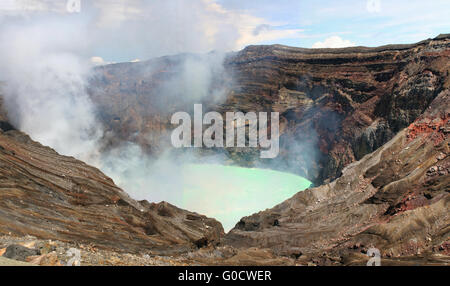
(228, 193)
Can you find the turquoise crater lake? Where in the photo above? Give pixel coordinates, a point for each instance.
(228, 193)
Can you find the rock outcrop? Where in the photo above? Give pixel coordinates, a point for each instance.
(396, 199)
(372, 124)
(336, 105)
(56, 197)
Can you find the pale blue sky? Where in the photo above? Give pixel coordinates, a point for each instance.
(118, 30)
(362, 22)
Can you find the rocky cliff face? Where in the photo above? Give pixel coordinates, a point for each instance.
(395, 199)
(56, 197)
(372, 123)
(336, 105)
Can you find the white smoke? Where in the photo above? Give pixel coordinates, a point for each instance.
(45, 67)
(45, 85)
(45, 60)
(46, 64)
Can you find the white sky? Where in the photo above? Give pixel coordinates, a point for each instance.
(118, 30)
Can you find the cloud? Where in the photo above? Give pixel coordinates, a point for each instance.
(98, 61)
(158, 27)
(255, 33)
(333, 42)
(112, 13)
(22, 6)
(196, 26)
(144, 29)
(9, 5)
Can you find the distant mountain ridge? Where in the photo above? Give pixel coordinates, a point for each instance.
(336, 105)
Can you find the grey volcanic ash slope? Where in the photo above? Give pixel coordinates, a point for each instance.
(336, 105)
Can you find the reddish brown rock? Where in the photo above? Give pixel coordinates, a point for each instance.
(395, 199)
(377, 117)
(336, 105)
(56, 197)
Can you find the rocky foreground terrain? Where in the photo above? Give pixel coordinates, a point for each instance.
(57, 197)
(396, 199)
(380, 120)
